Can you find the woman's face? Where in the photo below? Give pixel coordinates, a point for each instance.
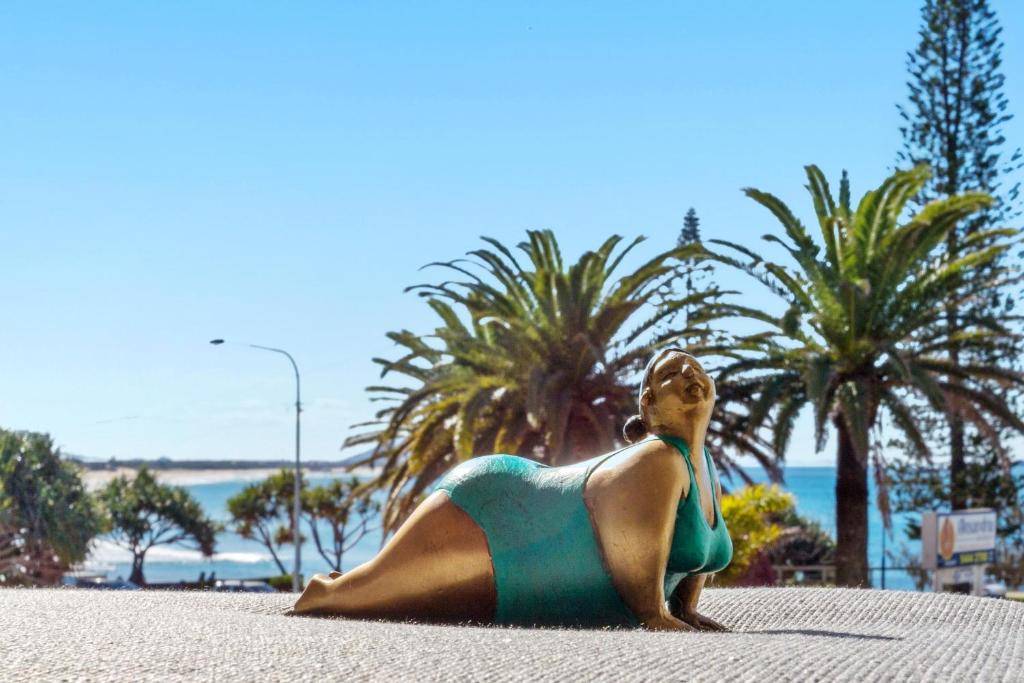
(680, 393)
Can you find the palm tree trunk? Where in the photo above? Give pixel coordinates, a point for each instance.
(851, 512)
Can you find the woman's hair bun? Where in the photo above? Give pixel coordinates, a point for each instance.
(634, 429)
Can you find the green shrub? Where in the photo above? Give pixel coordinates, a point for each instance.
(750, 515)
(47, 518)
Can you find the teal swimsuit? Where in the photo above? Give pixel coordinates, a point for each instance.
(548, 568)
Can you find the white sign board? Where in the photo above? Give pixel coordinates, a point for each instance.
(958, 539)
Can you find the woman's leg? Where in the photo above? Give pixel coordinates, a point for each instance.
(437, 567)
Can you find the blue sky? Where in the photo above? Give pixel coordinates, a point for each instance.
(276, 173)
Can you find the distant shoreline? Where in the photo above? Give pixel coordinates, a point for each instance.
(190, 476)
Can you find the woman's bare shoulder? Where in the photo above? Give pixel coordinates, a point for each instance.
(655, 448)
(649, 458)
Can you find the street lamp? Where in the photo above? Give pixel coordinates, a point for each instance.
(296, 586)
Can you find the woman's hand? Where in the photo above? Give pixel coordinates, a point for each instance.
(683, 604)
(701, 623)
(666, 622)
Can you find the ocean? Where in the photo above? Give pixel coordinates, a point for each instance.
(238, 558)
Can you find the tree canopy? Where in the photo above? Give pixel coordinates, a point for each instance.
(262, 512)
(346, 516)
(337, 518)
(144, 513)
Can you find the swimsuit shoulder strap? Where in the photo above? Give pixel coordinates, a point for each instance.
(680, 446)
(713, 476)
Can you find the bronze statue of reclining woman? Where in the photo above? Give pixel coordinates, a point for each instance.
(627, 538)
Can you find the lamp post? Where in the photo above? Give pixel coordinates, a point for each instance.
(296, 587)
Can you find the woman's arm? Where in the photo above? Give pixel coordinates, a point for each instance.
(633, 503)
(683, 603)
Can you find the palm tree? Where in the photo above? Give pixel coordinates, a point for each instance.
(531, 358)
(861, 337)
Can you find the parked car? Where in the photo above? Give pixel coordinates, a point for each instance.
(242, 586)
(100, 583)
(995, 589)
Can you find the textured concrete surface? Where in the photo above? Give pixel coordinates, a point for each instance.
(778, 634)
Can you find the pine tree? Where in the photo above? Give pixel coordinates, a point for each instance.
(692, 274)
(691, 229)
(953, 121)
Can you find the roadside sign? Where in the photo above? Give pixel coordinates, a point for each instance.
(958, 539)
(958, 545)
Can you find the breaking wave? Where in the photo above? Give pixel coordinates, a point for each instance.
(106, 552)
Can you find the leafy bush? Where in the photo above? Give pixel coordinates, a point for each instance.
(47, 518)
(1009, 566)
(749, 514)
(801, 542)
(282, 583)
(766, 530)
